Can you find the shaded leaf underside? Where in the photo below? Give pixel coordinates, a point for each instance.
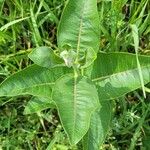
(37, 104)
(99, 126)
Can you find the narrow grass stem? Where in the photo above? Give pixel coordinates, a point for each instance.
(137, 131)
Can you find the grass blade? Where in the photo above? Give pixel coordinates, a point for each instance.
(136, 45)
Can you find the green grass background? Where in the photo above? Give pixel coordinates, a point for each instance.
(26, 24)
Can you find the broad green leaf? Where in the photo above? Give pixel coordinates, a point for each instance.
(37, 104)
(99, 126)
(79, 25)
(45, 57)
(33, 80)
(117, 74)
(76, 99)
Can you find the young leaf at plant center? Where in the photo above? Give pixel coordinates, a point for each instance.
(33, 80)
(79, 25)
(45, 57)
(90, 56)
(99, 126)
(76, 99)
(69, 57)
(37, 104)
(117, 74)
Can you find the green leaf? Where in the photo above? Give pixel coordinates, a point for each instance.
(33, 80)
(68, 57)
(99, 126)
(89, 58)
(37, 104)
(117, 74)
(79, 25)
(76, 99)
(45, 57)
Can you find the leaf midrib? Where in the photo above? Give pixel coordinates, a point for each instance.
(75, 78)
(74, 103)
(114, 74)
